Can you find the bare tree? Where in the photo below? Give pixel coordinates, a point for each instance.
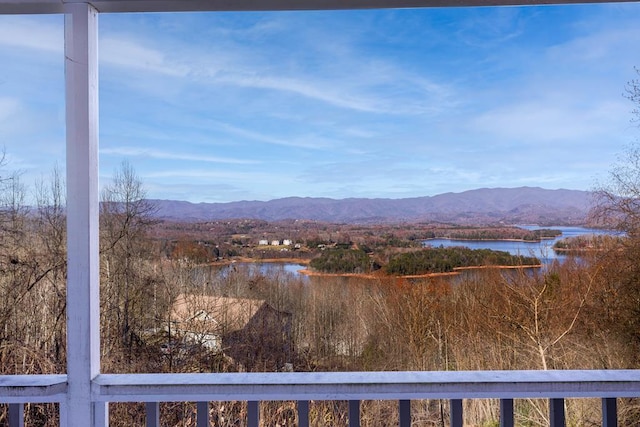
(125, 219)
(49, 225)
(632, 92)
(543, 311)
(617, 201)
(32, 283)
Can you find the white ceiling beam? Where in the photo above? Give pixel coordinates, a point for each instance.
(264, 5)
(116, 6)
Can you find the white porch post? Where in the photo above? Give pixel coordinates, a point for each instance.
(83, 299)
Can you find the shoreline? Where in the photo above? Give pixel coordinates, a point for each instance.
(456, 271)
(244, 260)
(458, 239)
(379, 274)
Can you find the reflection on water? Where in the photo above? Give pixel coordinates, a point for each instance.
(542, 250)
(217, 272)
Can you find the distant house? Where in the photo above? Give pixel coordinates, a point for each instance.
(249, 331)
(287, 242)
(275, 243)
(263, 242)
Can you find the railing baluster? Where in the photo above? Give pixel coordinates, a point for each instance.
(64, 414)
(354, 413)
(556, 412)
(455, 409)
(404, 407)
(101, 414)
(153, 414)
(506, 412)
(253, 413)
(609, 412)
(16, 415)
(202, 414)
(303, 413)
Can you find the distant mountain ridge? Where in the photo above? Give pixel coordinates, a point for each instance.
(531, 205)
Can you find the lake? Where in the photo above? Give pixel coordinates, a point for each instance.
(252, 269)
(542, 250)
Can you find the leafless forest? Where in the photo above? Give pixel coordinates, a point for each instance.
(581, 314)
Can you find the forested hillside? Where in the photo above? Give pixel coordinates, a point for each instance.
(523, 205)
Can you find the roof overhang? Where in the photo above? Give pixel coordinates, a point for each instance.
(116, 6)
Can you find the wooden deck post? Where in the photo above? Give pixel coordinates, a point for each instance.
(83, 299)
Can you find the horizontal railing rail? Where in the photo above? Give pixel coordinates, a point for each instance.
(354, 387)
(32, 388)
(357, 386)
(367, 385)
(18, 390)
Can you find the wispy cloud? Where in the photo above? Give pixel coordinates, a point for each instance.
(363, 84)
(395, 94)
(602, 42)
(550, 121)
(40, 33)
(165, 155)
(130, 54)
(196, 192)
(9, 107)
(258, 179)
(491, 27)
(263, 137)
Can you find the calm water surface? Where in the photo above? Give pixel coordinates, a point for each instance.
(543, 250)
(252, 268)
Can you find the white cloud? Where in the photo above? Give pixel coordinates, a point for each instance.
(127, 53)
(37, 33)
(549, 121)
(194, 192)
(166, 155)
(201, 176)
(376, 88)
(373, 86)
(9, 107)
(261, 137)
(602, 45)
(304, 87)
(343, 79)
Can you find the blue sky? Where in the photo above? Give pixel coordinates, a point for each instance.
(219, 107)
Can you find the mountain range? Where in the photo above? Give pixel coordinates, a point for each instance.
(522, 205)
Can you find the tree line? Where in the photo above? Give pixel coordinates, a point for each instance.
(416, 262)
(446, 260)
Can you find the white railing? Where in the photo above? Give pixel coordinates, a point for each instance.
(354, 387)
(16, 390)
